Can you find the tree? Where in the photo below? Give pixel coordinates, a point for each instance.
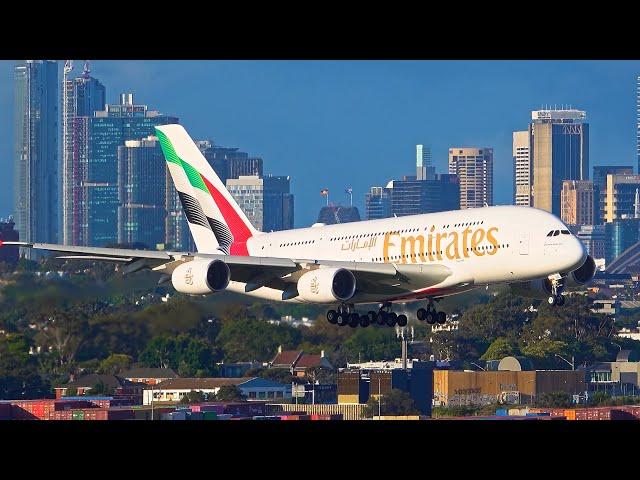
(229, 393)
(19, 377)
(99, 388)
(115, 364)
(499, 348)
(554, 400)
(396, 402)
(194, 396)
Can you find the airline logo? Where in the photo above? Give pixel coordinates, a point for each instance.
(188, 277)
(232, 234)
(315, 286)
(436, 246)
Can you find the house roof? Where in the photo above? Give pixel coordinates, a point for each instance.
(110, 381)
(312, 360)
(286, 358)
(198, 383)
(149, 373)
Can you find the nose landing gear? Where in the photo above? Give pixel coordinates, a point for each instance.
(557, 286)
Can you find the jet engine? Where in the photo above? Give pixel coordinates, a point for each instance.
(582, 275)
(327, 285)
(200, 277)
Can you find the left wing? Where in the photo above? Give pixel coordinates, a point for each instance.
(374, 279)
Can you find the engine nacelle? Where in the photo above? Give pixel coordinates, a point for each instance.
(540, 288)
(582, 275)
(200, 277)
(327, 285)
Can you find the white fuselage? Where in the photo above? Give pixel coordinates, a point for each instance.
(482, 246)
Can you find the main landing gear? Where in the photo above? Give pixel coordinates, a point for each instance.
(345, 315)
(431, 315)
(557, 286)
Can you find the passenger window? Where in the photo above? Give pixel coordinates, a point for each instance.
(550, 233)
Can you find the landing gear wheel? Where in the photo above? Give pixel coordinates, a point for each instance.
(430, 317)
(560, 300)
(372, 316)
(332, 317)
(421, 314)
(441, 318)
(552, 300)
(382, 318)
(402, 320)
(364, 321)
(392, 318)
(354, 320)
(341, 319)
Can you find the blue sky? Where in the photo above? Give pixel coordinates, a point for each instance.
(355, 123)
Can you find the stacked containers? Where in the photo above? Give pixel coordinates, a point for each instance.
(5, 411)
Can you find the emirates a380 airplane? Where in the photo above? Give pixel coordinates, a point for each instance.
(420, 258)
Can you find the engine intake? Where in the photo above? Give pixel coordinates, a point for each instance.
(582, 275)
(327, 285)
(200, 277)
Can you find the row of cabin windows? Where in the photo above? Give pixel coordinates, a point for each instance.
(414, 255)
(308, 242)
(408, 230)
(555, 233)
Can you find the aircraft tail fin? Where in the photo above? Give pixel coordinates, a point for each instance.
(210, 209)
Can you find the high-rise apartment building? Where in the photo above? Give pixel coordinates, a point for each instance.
(560, 151)
(332, 214)
(474, 168)
(142, 176)
(577, 203)
(622, 233)
(8, 233)
(230, 162)
(36, 169)
(96, 220)
(600, 173)
(621, 194)
(81, 97)
(522, 168)
(267, 202)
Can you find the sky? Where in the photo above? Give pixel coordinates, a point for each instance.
(339, 124)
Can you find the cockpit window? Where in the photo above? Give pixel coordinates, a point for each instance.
(556, 233)
(550, 233)
(565, 232)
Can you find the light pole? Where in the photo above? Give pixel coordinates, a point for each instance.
(571, 363)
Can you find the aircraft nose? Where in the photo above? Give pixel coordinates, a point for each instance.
(576, 253)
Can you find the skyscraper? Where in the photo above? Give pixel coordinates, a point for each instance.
(522, 168)
(96, 222)
(424, 169)
(577, 202)
(332, 214)
(474, 168)
(621, 196)
(638, 122)
(230, 162)
(560, 149)
(377, 202)
(81, 97)
(600, 173)
(278, 203)
(37, 173)
(142, 177)
(248, 191)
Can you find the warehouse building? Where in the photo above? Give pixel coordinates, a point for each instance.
(513, 382)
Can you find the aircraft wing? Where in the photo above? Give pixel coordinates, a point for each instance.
(279, 273)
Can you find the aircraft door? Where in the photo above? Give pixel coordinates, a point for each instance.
(524, 243)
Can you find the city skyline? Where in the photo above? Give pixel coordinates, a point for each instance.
(314, 120)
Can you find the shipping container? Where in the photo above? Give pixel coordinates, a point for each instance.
(209, 415)
(502, 412)
(5, 411)
(570, 414)
(178, 415)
